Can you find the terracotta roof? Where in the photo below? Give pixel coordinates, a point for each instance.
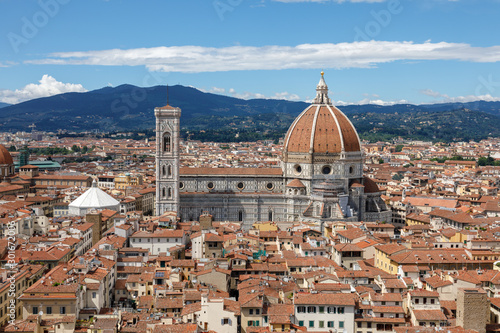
(322, 129)
(324, 299)
(29, 166)
(429, 315)
(168, 303)
(423, 293)
(387, 297)
(370, 185)
(351, 233)
(390, 248)
(431, 202)
(5, 157)
(281, 313)
(295, 183)
(160, 233)
(366, 243)
(347, 247)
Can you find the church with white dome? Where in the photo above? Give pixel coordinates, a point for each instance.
(320, 179)
(92, 199)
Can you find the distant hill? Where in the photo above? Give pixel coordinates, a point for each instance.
(2, 105)
(488, 107)
(207, 116)
(127, 107)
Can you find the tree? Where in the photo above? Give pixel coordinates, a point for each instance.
(12, 148)
(397, 177)
(482, 161)
(399, 148)
(75, 148)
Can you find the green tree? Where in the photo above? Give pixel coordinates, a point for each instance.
(482, 161)
(75, 148)
(399, 148)
(12, 148)
(397, 177)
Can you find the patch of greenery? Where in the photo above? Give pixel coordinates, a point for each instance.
(483, 161)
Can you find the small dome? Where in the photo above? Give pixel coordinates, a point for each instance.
(5, 157)
(93, 198)
(296, 183)
(370, 185)
(322, 128)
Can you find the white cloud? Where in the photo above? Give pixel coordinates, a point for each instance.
(444, 98)
(278, 95)
(470, 98)
(432, 93)
(196, 59)
(213, 90)
(48, 86)
(372, 101)
(7, 63)
(250, 95)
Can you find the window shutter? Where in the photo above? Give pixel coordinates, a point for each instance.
(230, 322)
(222, 322)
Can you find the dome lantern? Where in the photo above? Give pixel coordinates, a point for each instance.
(321, 129)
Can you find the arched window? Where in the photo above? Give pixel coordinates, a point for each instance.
(167, 142)
(240, 216)
(169, 171)
(270, 215)
(169, 192)
(163, 171)
(163, 193)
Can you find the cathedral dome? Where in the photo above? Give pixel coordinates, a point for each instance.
(322, 128)
(5, 157)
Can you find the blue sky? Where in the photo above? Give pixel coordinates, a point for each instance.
(372, 51)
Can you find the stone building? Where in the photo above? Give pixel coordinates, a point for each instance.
(473, 309)
(320, 178)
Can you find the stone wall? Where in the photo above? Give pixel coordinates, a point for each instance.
(473, 309)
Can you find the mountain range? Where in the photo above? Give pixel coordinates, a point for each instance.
(130, 108)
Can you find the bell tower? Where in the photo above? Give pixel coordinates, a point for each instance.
(167, 159)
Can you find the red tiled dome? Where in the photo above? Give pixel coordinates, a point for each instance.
(5, 157)
(370, 185)
(322, 128)
(295, 183)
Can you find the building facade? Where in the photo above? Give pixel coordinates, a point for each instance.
(320, 179)
(167, 158)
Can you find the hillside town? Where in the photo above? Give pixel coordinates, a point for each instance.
(83, 249)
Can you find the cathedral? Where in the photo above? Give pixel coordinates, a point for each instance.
(320, 179)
